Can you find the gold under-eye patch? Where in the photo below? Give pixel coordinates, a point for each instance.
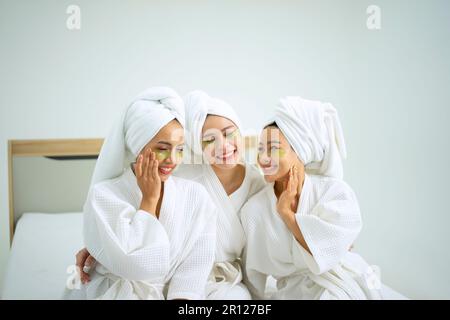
(179, 153)
(274, 152)
(162, 154)
(232, 135)
(278, 153)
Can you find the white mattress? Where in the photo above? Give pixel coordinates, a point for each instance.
(44, 245)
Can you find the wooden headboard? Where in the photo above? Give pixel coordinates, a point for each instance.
(73, 148)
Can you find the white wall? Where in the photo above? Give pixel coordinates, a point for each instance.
(390, 87)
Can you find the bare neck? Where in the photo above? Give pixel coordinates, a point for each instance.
(232, 178)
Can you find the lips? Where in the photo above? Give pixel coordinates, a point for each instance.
(165, 170)
(227, 157)
(270, 170)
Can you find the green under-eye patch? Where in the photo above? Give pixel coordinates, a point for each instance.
(233, 134)
(162, 154)
(278, 153)
(179, 153)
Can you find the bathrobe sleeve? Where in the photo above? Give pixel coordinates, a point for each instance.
(190, 277)
(329, 227)
(128, 242)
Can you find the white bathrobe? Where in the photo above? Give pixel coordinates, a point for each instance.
(329, 218)
(226, 276)
(225, 279)
(140, 256)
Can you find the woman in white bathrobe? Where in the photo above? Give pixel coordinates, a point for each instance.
(300, 226)
(215, 160)
(152, 235)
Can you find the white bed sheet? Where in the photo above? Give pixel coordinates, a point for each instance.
(44, 246)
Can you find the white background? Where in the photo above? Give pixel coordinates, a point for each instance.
(391, 87)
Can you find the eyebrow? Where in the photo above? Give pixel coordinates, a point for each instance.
(270, 142)
(165, 142)
(223, 130)
(230, 126)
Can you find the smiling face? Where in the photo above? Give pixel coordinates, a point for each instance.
(275, 154)
(221, 142)
(168, 146)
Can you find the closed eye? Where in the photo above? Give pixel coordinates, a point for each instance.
(208, 141)
(231, 133)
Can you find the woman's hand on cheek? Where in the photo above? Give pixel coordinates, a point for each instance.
(286, 204)
(146, 169)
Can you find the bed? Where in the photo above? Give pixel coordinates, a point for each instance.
(48, 184)
(44, 246)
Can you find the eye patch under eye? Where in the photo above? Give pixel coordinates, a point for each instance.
(179, 153)
(232, 134)
(278, 153)
(162, 154)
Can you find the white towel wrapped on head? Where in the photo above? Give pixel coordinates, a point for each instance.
(149, 112)
(198, 105)
(314, 131)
